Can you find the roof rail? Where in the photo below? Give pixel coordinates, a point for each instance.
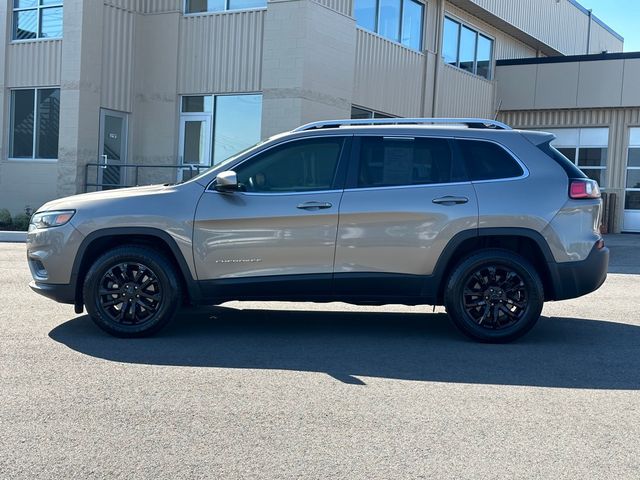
(469, 122)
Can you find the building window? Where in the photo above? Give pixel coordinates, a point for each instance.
(397, 20)
(34, 123)
(466, 48)
(587, 148)
(215, 127)
(632, 186)
(34, 19)
(204, 6)
(359, 113)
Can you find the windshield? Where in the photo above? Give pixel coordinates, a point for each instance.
(220, 167)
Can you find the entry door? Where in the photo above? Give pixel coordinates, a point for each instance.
(632, 191)
(113, 149)
(195, 143)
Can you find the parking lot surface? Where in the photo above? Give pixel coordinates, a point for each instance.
(325, 391)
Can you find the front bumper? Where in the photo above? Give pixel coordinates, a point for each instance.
(574, 279)
(63, 293)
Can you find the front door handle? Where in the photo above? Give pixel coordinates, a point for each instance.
(450, 200)
(314, 205)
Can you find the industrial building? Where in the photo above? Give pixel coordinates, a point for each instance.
(97, 94)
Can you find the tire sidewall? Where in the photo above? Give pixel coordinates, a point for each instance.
(166, 277)
(455, 304)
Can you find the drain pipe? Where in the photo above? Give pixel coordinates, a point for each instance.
(439, 58)
(589, 32)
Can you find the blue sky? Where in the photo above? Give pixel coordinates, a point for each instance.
(621, 15)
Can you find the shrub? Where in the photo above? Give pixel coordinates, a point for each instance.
(21, 222)
(5, 219)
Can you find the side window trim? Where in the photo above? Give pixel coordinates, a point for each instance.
(525, 170)
(338, 178)
(354, 164)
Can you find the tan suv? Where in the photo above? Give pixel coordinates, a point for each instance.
(466, 213)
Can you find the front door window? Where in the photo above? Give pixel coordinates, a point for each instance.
(113, 149)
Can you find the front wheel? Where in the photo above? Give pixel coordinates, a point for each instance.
(131, 291)
(494, 296)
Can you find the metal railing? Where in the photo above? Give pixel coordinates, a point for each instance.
(110, 175)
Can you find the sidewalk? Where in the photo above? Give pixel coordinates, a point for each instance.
(625, 252)
(6, 236)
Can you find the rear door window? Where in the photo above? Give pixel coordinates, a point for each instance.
(396, 161)
(488, 160)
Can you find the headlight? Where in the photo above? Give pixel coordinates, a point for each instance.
(54, 218)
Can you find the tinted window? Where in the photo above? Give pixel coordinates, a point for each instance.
(304, 165)
(389, 162)
(488, 161)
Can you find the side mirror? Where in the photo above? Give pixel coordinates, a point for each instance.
(227, 181)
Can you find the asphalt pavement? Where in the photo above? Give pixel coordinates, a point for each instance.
(313, 391)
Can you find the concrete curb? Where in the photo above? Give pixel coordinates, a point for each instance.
(6, 236)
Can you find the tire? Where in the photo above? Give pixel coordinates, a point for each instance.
(494, 296)
(143, 291)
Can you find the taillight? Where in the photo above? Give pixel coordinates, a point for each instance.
(584, 188)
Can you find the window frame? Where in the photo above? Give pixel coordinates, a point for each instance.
(478, 33)
(375, 114)
(38, 9)
(580, 146)
(631, 145)
(354, 164)
(213, 12)
(338, 183)
(458, 152)
(401, 26)
(35, 124)
(182, 115)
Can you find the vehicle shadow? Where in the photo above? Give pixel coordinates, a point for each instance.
(559, 352)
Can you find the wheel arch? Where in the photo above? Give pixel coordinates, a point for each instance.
(100, 241)
(528, 243)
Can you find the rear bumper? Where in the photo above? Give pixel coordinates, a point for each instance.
(574, 279)
(62, 293)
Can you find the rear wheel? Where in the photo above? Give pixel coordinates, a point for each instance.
(494, 296)
(131, 291)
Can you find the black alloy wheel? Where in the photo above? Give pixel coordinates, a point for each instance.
(494, 296)
(132, 291)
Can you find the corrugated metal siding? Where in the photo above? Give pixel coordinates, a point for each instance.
(505, 45)
(388, 76)
(118, 45)
(34, 64)
(343, 6)
(130, 5)
(556, 23)
(221, 52)
(602, 40)
(465, 95)
(161, 6)
(617, 120)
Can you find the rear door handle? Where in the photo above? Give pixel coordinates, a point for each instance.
(450, 200)
(314, 205)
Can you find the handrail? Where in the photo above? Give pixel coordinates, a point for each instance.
(469, 122)
(192, 168)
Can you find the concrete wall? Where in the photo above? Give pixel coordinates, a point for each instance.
(618, 120)
(301, 38)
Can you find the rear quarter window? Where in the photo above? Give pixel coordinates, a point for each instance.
(488, 161)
